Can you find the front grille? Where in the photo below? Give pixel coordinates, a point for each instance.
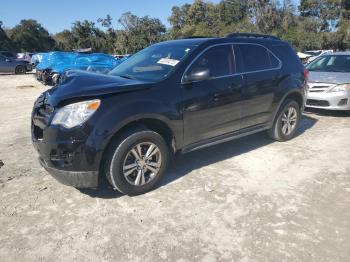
(318, 87)
(42, 112)
(37, 132)
(45, 111)
(312, 102)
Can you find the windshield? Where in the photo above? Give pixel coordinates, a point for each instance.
(153, 63)
(330, 63)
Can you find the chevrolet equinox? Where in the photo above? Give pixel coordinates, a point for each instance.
(174, 96)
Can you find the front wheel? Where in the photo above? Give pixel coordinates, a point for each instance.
(136, 162)
(286, 122)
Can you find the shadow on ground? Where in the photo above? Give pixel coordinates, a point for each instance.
(184, 164)
(325, 112)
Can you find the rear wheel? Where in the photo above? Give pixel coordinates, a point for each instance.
(286, 122)
(20, 70)
(136, 162)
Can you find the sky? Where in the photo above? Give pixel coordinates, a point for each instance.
(58, 15)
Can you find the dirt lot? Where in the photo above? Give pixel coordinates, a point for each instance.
(247, 200)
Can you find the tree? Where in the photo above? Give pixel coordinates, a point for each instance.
(83, 34)
(5, 42)
(30, 36)
(326, 11)
(138, 32)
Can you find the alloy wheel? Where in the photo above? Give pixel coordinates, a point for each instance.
(289, 121)
(142, 164)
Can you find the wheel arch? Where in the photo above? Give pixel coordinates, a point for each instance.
(153, 123)
(294, 94)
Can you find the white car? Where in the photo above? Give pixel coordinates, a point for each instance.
(329, 82)
(316, 53)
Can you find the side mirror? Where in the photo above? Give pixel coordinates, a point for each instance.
(198, 74)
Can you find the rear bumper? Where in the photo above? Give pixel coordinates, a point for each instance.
(84, 179)
(329, 101)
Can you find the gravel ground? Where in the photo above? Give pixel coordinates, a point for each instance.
(247, 200)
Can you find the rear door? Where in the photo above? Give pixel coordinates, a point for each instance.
(260, 70)
(212, 107)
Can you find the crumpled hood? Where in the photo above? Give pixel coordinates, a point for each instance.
(77, 84)
(329, 77)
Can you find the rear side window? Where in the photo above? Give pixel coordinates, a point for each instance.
(256, 58)
(218, 59)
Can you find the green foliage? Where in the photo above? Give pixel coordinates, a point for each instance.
(30, 36)
(138, 33)
(314, 24)
(5, 42)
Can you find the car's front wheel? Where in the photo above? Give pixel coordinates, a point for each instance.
(136, 161)
(287, 121)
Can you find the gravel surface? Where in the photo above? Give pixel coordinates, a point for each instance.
(247, 200)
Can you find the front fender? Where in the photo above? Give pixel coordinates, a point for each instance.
(115, 116)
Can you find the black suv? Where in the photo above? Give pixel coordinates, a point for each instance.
(174, 96)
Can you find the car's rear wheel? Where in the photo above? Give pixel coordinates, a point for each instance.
(136, 162)
(287, 121)
(20, 70)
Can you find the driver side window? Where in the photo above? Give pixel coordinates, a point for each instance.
(218, 59)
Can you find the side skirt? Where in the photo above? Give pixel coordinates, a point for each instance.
(224, 138)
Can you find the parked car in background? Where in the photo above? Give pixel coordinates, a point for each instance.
(13, 65)
(303, 57)
(329, 82)
(25, 56)
(175, 96)
(36, 59)
(55, 64)
(8, 54)
(316, 53)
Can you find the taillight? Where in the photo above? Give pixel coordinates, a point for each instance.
(306, 74)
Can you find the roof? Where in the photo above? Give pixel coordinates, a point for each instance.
(187, 41)
(196, 41)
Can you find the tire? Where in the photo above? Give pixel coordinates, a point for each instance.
(119, 156)
(20, 70)
(278, 131)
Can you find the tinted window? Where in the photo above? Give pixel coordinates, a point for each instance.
(274, 61)
(331, 63)
(256, 58)
(218, 59)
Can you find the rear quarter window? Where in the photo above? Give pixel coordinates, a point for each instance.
(257, 58)
(288, 57)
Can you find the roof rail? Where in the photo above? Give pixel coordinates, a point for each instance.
(248, 35)
(199, 36)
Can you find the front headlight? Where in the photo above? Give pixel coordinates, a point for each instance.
(75, 114)
(339, 88)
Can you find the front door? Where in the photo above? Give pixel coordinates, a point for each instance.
(212, 107)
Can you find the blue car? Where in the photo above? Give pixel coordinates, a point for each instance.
(54, 64)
